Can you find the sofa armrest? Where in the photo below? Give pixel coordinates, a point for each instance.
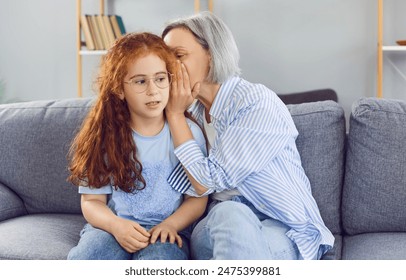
(11, 205)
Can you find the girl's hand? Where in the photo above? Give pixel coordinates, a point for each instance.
(130, 235)
(181, 96)
(165, 231)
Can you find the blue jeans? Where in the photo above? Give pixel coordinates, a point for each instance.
(237, 230)
(97, 244)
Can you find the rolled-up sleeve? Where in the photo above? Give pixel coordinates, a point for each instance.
(188, 153)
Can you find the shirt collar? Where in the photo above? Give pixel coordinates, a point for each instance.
(223, 96)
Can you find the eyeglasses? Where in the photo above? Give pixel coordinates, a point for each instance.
(140, 84)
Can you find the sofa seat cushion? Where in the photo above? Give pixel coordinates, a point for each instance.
(374, 192)
(375, 246)
(40, 236)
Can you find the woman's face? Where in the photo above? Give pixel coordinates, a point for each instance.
(195, 58)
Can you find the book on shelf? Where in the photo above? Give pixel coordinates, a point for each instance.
(121, 24)
(92, 31)
(87, 33)
(101, 31)
(97, 35)
(116, 27)
(109, 30)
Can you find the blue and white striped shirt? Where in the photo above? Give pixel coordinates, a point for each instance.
(255, 151)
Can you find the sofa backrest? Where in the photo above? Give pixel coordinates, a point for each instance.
(374, 194)
(321, 144)
(35, 139)
(34, 142)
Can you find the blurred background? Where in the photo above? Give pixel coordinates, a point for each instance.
(288, 45)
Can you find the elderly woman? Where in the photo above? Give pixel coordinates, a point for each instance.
(262, 206)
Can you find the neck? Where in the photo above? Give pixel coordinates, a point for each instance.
(207, 94)
(148, 127)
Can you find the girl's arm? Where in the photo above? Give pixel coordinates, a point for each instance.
(190, 210)
(131, 236)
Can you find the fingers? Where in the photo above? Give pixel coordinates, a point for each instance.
(182, 80)
(174, 86)
(133, 245)
(179, 76)
(185, 76)
(154, 235)
(135, 240)
(179, 240)
(164, 235)
(159, 232)
(143, 235)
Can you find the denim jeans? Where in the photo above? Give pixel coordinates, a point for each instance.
(97, 244)
(237, 230)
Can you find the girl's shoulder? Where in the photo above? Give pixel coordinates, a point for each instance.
(196, 131)
(193, 125)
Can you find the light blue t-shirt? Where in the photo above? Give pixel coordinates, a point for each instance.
(158, 200)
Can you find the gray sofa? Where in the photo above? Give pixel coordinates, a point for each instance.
(358, 179)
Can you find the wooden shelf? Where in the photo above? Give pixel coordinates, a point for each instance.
(382, 49)
(87, 52)
(394, 48)
(79, 51)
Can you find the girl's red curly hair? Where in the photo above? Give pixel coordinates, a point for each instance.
(103, 152)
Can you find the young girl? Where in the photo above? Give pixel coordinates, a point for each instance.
(123, 155)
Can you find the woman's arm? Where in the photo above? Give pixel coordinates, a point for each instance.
(181, 98)
(255, 133)
(190, 210)
(131, 236)
(182, 133)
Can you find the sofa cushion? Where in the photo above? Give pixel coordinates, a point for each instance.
(375, 246)
(40, 236)
(11, 205)
(321, 140)
(374, 193)
(34, 142)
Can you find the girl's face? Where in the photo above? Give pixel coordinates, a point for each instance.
(190, 53)
(145, 88)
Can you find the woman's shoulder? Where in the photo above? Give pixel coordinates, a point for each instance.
(249, 94)
(246, 88)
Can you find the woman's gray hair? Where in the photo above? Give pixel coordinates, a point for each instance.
(213, 35)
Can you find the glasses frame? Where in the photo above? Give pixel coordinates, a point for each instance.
(148, 81)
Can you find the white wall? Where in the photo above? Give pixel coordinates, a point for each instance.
(288, 45)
